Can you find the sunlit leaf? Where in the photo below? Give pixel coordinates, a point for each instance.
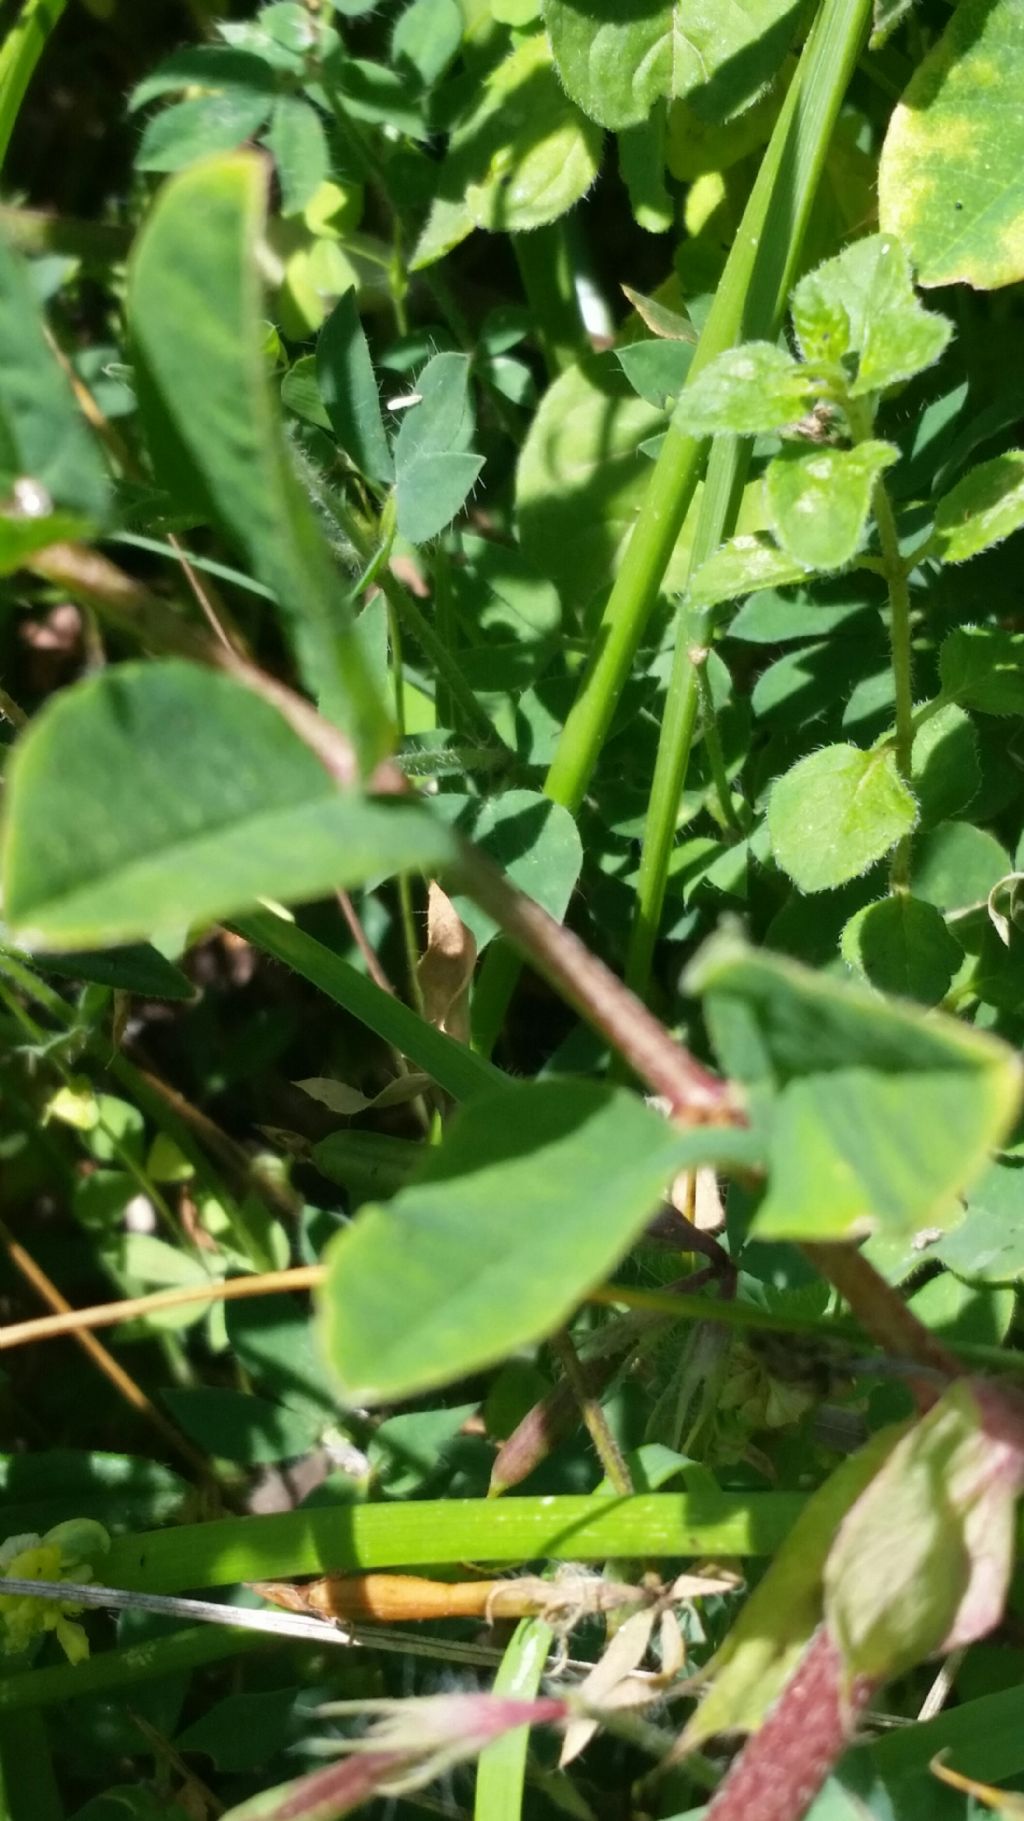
(162, 794)
(862, 304)
(835, 813)
(617, 61)
(195, 307)
(818, 500)
(983, 508)
(951, 178)
(529, 1202)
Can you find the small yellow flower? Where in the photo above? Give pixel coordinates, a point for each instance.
(65, 1553)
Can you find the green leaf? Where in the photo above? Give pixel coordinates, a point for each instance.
(119, 1491)
(161, 794)
(217, 67)
(427, 36)
(951, 178)
(21, 538)
(580, 479)
(191, 130)
(983, 508)
(196, 314)
(887, 15)
(855, 1151)
(434, 469)
(818, 500)
(748, 1672)
(642, 168)
(235, 1426)
(43, 437)
(956, 865)
(875, 1112)
(139, 969)
(741, 566)
(369, 1165)
(301, 394)
(406, 1451)
(835, 813)
(862, 304)
(656, 369)
(348, 387)
(616, 60)
(534, 841)
(982, 667)
(944, 764)
(241, 1732)
(531, 1199)
(271, 1338)
(901, 945)
(841, 606)
(447, 225)
(501, 1770)
(988, 1245)
(748, 389)
(524, 155)
(298, 145)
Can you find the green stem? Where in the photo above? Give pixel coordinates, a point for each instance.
(749, 301)
(678, 727)
(341, 1539)
(902, 662)
(447, 632)
(544, 258)
(19, 54)
(434, 647)
(723, 487)
(713, 747)
(896, 573)
(406, 917)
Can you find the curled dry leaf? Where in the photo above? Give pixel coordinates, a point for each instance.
(446, 966)
(696, 1195)
(617, 1680)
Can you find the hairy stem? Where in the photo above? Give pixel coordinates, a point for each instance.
(896, 572)
(592, 1411)
(783, 1766)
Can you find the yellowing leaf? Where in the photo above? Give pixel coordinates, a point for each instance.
(951, 178)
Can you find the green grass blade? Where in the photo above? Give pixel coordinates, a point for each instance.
(454, 1067)
(21, 51)
(428, 1532)
(178, 1653)
(501, 1770)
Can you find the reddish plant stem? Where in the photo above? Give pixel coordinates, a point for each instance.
(783, 1765)
(692, 1091)
(882, 1313)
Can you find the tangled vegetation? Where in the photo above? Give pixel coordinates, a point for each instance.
(511, 973)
